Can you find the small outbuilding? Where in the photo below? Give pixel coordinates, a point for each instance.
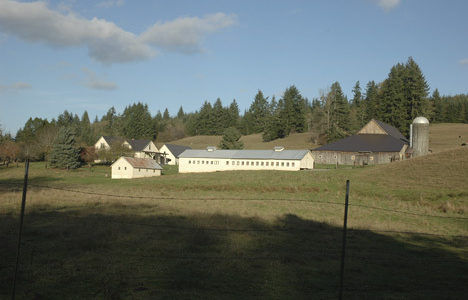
(170, 153)
(135, 167)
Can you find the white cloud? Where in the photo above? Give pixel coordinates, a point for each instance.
(106, 42)
(388, 5)
(464, 61)
(15, 87)
(185, 34)
(92, 81)
(111, 3)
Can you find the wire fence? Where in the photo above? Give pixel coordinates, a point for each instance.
(356, 253)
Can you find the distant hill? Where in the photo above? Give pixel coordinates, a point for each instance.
(442, 137)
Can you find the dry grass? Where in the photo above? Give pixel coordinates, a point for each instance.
(447, 136)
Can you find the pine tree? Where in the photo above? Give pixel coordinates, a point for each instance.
(233, 115)
(338, 113)
(86, 133)
(416, 91)
(219, 115)
(166, 115)
(372, 106)
(65, 153)
(137, 122)
(258, 113)
(231, 140)
(393, 101)
(181, 113)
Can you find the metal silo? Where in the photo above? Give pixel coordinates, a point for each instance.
(420, 136)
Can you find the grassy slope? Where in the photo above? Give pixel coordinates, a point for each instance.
(442, 137)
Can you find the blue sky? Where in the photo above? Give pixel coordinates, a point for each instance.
(91, 55)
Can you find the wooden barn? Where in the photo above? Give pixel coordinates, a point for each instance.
(376, 143)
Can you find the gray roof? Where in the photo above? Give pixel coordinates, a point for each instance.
(143, 163)
(390, 130)
(176, 150)
(245, 154)
(364, 143)
(110, 140)
(138, 145)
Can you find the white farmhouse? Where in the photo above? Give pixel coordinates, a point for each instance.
(211, 160)
(106, 142)
(142, 148)
(131, 167)
(170, 153)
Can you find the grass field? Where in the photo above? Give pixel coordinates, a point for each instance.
(231, 235)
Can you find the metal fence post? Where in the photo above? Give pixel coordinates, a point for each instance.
(23, 204)
(343, 250)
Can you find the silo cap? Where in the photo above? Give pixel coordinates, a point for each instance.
(421, 120)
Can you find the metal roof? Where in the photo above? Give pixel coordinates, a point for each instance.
(110, 140)
(245, 154)
(138, 145)
(176, 150)
(390, 130)
(365, 142)
(143, 163)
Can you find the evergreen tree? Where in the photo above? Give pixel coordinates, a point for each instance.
(372, 106)
(233, 115)
(137, 122)
(86, 133)
(416, 91)
(276, 124)
(166, 115)
(231, 139)
(219, 116)
(65, 153)
(181, 113)
(258, 112)
(338, 113)
(358, 111)
(205, 120)
(393, 101)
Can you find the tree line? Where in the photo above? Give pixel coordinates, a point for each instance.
(401, 97)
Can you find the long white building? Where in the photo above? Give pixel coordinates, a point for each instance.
(211, 160)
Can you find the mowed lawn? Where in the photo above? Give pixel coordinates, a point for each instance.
(231, 235)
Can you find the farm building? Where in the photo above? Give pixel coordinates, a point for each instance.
(133, 167)
(211, 160)
(376, 143)
(142, 148)
(170, 153)
(106, 142)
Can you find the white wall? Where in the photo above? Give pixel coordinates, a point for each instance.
(173, 160)
(123, 169)
(188, 165)
(100, 142)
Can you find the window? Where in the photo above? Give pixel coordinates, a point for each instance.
(119, 168)
(256, 163)
(139, 170)
(149, 146)
(211, 162)
(238, 163)
(371, 158)
(353, 157)
(247, 163)
(189, 162)
(125, 168)
(102, 146)
(227, 162)
(154, 171)
(282, 163)
(203, 162)
(262, 163)
(277, 164)
(292, 164)
(287, 164)
(198, 162)
(267, 164)
(242, 162)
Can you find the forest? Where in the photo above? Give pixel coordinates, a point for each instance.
(402, 96)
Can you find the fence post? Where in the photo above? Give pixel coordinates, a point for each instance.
(23, 204)
(343, 250)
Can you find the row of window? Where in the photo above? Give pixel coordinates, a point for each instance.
(139, 170)
(244, 163)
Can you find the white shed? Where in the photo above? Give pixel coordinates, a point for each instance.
(170, 153)
(134, 167)
(211, 160)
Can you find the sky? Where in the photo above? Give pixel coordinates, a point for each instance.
(79, 55)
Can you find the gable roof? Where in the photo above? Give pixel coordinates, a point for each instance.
(176, 150)
(110, 140)
(365, 143)
(138, 145)
(390, 130)
(245, 154)
(142, 163)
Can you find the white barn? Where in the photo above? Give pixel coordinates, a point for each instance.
(106, 142)
(170, 153)
(142, 148)
(131, 167)
(211, 160)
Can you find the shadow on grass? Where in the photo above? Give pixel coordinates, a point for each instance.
(16, 185)
(80, 255)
